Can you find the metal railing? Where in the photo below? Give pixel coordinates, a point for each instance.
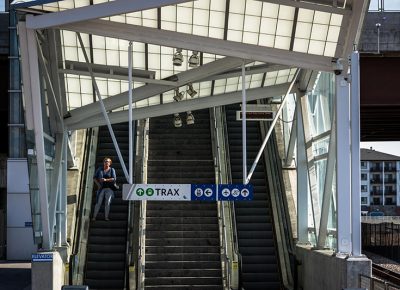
(371, 283)
(226, 213)
(140, 228)
(79, 247)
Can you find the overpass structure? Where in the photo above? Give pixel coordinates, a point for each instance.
(86, 64)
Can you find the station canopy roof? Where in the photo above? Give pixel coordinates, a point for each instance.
(272, 38)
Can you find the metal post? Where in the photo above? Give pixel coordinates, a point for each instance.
(64, 191)
(103, 109)
(355, 154)
(130, 113)
(244, 137)
(302, 176)
(39, 137)
(343, 182)
(383, 183)
(271, 128)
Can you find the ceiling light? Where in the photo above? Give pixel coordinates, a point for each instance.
(191, 91)
(178, 57)
(189, 118)
(177, 120)
(194, 59)
(178, 95)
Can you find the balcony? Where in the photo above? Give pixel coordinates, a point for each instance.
(390, 168)
(376, 169)
(376, 192)
(390, 180)
(390, 192)
(376, 180)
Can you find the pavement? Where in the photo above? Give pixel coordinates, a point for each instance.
(15, 275)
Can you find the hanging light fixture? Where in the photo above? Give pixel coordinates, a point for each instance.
(178, 95)
(177, 120)
(189, 118)
(194, 59)
(191, 91)
(177, 59)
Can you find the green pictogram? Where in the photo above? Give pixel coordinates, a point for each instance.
(140, 191)
(149, 191)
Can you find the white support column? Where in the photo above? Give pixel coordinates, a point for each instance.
(55, 189)
(302, 177)
(355, 154)
(343, 181)
(64, 215)
(244, 138)
(311, 167)
(130, 88)
(292, 141)
(39, 136)
(327, 195)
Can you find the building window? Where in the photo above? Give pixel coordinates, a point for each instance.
(364, 200)
(2, 5)
(364, 188)
(389, 201)
(363, 176)
(363, 164)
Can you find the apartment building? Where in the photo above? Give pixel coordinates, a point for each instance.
(380, 181)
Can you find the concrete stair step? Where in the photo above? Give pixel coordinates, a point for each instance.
(183, 220)
(182, 227)
(182, 213)
(184, 287)
(103, 275)
(104, 265)
(184, 281)
(214, 265)
(194, 242)
(200, 257)
(181, 234)
(106, 257)
(181, 250)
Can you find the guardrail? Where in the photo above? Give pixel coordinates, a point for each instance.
(380, 219)
(371, 283)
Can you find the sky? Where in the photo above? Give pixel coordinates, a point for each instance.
(385, 147)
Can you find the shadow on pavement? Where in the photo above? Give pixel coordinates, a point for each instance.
(15, 275)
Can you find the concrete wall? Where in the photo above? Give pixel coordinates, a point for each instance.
(20, 245)
(47, 271)
(323, 269)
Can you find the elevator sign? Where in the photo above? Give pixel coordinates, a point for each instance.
(256, 113)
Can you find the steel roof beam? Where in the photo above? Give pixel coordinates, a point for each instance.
(246, 51)
(94, 12)
(177, 107)
(318, 6)
(147, 91)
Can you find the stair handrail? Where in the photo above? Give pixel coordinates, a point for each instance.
(281, 217)
(231, 205)
(131, 241)
(230, 256)
(142, 177)
(77, 261)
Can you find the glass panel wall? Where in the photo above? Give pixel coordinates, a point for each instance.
(320, 105)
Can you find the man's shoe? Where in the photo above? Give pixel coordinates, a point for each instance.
(107, 219)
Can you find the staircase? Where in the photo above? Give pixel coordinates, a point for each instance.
(253, 218)
(106, 252)
(182, 238)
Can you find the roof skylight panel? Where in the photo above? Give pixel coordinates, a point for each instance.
(202, 4)
(256, 81)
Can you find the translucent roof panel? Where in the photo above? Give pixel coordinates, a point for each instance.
(303, 29)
